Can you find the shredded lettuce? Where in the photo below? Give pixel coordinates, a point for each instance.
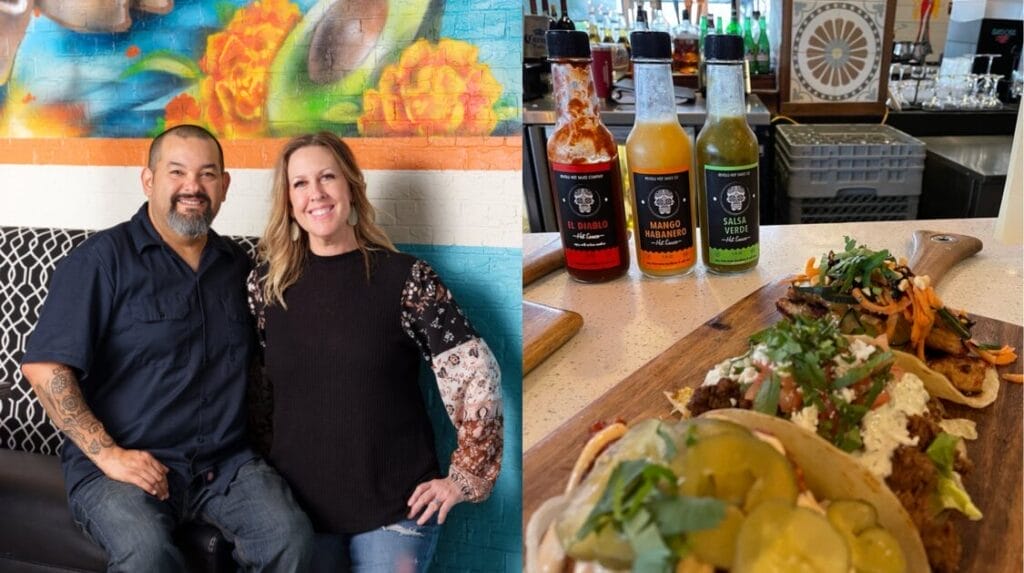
(951, 493)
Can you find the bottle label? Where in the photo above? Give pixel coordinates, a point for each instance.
(664, 225)
(732, 206)
(589, 206)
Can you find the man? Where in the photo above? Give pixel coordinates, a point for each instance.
(140, 358)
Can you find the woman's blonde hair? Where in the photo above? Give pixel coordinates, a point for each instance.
(283, 256)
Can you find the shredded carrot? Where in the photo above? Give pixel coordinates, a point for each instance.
(890, 325)
(1015, 378)
(811, 271)
(1005, 355)
(888, 309)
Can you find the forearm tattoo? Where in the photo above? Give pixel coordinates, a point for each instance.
(63, 401)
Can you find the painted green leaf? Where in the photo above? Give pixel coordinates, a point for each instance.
(296, 104)
(166, 62)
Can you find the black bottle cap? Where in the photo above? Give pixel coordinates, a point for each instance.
(650, 45)
(723, 47)
(567, 44)
(686, 15)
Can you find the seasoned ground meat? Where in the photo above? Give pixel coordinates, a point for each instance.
(913, 480)
(725, 394)
(924, 428)
(912, 471)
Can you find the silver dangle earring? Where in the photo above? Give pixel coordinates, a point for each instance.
(296, 232)
(353, 216)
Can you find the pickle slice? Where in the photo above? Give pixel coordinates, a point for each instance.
(877, 551)
(717, 546)
(778, 537)
(739, 469)
(852, 516)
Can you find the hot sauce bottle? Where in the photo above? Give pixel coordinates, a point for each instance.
(727, 160)
(584, 167)
(659, 154)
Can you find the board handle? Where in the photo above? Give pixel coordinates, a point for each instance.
(933, 253)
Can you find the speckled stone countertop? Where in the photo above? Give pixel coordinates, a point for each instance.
(629, 321)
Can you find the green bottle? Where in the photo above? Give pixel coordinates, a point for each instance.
(734, 25)
(703, 31)
(749, 47)
(762, 58)
(718, 25)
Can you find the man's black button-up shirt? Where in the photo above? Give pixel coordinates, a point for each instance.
(161, 351)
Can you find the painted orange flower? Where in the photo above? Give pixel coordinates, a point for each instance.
(236, 64)
(433, 90)
(182, 109)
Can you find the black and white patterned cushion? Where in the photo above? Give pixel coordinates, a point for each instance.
(27, 258)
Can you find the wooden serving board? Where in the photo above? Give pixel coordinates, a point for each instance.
(545, 329)
(995, 483)
(543, 260)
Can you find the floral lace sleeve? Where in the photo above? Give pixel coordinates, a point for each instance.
(467, 374)
(260, 399)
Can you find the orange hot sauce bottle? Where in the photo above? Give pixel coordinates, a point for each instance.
(660, 154)
(584, 163)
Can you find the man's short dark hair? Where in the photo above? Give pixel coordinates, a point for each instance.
(183, 130)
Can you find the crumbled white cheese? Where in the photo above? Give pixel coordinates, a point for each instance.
(748, 376)
(848, 395)
(861, 350)
(922, 282)
(721, 370)
(885, 428)
(759, 354)
(806, 418)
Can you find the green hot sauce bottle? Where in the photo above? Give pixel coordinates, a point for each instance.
(727, 170)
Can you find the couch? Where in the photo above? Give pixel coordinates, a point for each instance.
(37, 533)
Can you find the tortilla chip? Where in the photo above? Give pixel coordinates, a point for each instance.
(679, 399)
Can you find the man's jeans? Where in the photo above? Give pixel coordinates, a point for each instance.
(257, 514)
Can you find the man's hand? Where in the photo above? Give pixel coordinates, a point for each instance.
(439, 495)
(136, 467)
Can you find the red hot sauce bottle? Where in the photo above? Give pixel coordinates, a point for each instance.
(584, 163)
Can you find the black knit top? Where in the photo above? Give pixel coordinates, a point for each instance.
(351, 433)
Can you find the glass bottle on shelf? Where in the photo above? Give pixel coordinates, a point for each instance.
(734, 25)
(641, 18)
(686, 50)
(658, 20)
(727, 164)
(763, 57)
(718, 26)
(584, 167)
(566, 23)
(659, 155)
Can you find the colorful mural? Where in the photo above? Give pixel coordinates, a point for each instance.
(253, 69)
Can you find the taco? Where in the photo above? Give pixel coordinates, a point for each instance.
(732, 491)
(871, 292)
(864, 399)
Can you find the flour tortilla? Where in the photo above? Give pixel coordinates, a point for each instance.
(941, 387)
(828, 472)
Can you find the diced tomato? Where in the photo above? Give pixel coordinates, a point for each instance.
(897, 372)
(762, 372)
(789, 399)
(881, 399)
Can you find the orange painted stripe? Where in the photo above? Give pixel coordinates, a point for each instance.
(398, 153)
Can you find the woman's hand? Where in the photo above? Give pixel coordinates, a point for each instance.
(439, 495)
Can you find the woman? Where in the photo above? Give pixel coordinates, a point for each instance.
(345, 319)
